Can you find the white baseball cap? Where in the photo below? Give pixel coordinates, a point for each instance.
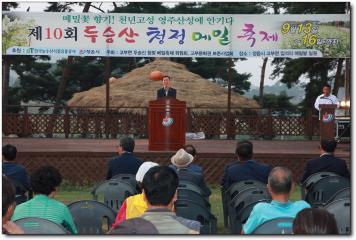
(143, 169)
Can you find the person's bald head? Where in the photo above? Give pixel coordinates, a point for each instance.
(280, 180)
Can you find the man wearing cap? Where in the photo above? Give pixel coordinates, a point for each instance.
(191, 167)
(181, 160)
(135, 206)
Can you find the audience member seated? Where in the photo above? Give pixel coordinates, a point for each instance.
(160, 190)
(181, 160)
(136, 205)
(134, 226)
(245, 168)
(45, 183)
(315, 221)
(13, 170)
(126, 162)
(8, 206)
(280, 186)
(191, 167)
(327, 162)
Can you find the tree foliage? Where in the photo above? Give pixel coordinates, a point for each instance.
(276, 101)
(7, 6)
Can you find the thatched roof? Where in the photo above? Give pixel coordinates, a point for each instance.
(135, 89)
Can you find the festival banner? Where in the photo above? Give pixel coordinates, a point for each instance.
(176, 35)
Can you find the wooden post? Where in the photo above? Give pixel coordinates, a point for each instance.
(106, 76)
(25, 122)
(347, 78)
(270, 123)
(5, 80)
(309, 126)
(66, 122)
(228, 118)
(189, 120)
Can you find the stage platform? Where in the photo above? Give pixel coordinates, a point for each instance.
(85, 160)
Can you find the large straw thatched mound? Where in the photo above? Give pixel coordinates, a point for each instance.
(135, 89)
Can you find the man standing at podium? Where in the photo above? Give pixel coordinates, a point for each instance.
(166, 91)
(326, 98)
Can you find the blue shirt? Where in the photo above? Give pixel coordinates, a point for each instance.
(246, 170)
(263, 212)
(192, 167)
(16, 172)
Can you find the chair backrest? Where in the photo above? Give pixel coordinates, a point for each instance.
(130, 178)
(341, 209)
(313, 179)
(233, 190)
(241, 206)
(88, 216)
(343, 193)
(276, 226)
(237, 187)
(34, 225)
(184, 193)
(249, 195)
(324, 189)
(21, 191)
(239, 216)
(183, 184)
(115, 192)
(194, 211)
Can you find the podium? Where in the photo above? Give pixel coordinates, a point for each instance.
(166, 124)
(327, 121)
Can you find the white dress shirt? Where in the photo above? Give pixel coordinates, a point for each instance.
(331, 99)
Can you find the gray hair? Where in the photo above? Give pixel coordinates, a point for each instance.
(280, 180)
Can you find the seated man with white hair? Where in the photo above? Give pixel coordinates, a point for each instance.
(280, 186)
(181, 160)
(134, 206)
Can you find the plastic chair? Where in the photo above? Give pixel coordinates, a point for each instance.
(341, 194)
(232, 191)
(130, 178)
(88, 216)
(115, 192)
(276, 226)
(194, 211)
(193, 196)
(341, 209)
(34, 225)
(241, 206)
(183, 184)
(324, 189)
(313, 179)
(22, 194)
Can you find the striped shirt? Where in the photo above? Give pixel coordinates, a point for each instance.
(42, 206)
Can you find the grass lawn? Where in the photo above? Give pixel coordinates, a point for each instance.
(69, 193)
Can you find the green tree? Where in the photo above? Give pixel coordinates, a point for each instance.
(85, 73)
(60, 7)
(7, 6)
(281, 101)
